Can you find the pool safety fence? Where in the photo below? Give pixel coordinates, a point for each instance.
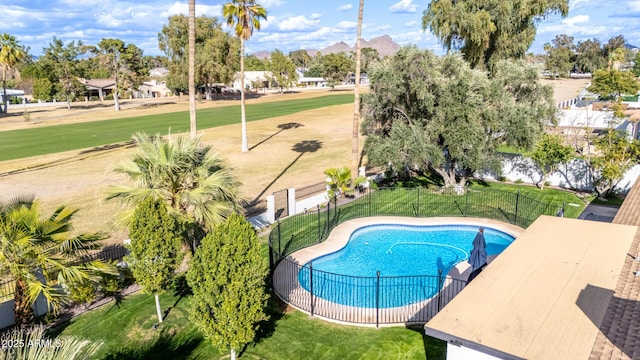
(297, 232)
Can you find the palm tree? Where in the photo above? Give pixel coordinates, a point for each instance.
(36, 250)
(356, 101)
(244, 16)
(60, 348)
(196, 186)
(11, 53)
(192, 68)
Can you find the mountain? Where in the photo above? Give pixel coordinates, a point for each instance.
(262, 55)
(383, 44)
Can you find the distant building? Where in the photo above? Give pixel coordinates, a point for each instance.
(12, 93)
(253, 80)
(99, 88)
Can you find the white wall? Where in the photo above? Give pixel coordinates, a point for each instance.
(462, 353)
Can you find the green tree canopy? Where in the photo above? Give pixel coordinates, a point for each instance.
(616, 156)
(560, 57)
(300, 58)
(227, 276)
(11, 53)
(336, 67)
(424, 113)
(155, 248)
(611, 82)
(283, 70)
(40, 252)
(63, 64)
(489, 31)
(589, 56)
(549, 154)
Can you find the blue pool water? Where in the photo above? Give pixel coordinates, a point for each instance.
(408, 258)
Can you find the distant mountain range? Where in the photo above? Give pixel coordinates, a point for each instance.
(383, 44)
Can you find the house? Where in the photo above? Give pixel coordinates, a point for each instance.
(11, 93)
(253, 80)
(309, 81)
(98, 88)
(153, 89)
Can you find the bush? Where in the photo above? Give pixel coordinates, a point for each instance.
(519, 181)
(502, 178)
(546, 183)
(83, 293)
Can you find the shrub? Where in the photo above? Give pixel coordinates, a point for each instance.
(83, 293)
(519, 181)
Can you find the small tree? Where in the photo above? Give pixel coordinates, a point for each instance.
(617, 155)
(155, 248)
(550, 152)
(340, 181)
(227, 276)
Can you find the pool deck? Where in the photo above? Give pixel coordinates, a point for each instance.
(339, 237)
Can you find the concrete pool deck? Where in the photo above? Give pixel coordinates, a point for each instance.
(338, 238)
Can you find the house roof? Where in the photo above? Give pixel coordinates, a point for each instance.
(545, 296)
(619, 336)
(100, 83)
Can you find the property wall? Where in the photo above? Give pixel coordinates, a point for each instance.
(8, 316)
(463, 353)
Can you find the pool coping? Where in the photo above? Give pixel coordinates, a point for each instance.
(340, 235)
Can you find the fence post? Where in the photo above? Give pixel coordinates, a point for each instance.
(515, 219)
(439, 290)
(377, 298)
(369, 198)
(328, 214)
(319, 231)
(279, 244)
(311, 285)
(466, 200)
(418, 207)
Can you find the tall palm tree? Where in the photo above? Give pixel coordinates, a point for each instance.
(35, 248)
(197, 187)
(244, 16)
(11, 53)
(192, 68)
(356, 102)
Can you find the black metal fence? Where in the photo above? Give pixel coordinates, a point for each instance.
(313, 291)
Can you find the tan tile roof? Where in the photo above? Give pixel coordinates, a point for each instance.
(619, 335)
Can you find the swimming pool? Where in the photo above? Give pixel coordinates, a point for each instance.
(407, 257)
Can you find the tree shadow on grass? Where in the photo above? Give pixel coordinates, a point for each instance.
(282, 127)
(434, 349)
(167, 346)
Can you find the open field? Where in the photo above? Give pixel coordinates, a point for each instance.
(79, 178)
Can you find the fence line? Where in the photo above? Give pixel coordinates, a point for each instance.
(311, 290)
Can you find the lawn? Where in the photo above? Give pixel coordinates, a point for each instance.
(22, 143)
(126, 331)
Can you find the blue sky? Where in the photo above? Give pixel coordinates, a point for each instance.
(291, 24)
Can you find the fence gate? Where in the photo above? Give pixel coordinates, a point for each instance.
(281, 202)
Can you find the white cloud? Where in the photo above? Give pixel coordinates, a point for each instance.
(297, 23)
(271, 3)
(404, 6)
(183, 8)
(346, 25)
(411, 24)
(345, 7)
(572, 21)
(634, 6)
(315, 16)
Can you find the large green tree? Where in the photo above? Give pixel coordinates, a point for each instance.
(424, 112)
(489, 31)
(196, 186)
(300, 58)
(227, 276)
(589, 56)
(283, 70)
(62, 61)
(244, 16)
(611, 82)
(549, 154)
(336, 67)
(155, 248)
(39, 252)
(560, 57)
(11, 53)
(616, 155)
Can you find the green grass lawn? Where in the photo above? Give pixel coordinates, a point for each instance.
(18, 144)
(126, 332)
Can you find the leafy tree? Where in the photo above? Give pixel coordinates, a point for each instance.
(589, 56)
(155, 248)
(122, 62)
(424, 112)
(244, 16)
(11, 53)
(283, 70)
(300, 58)
(611, 82)
(39, 252)
(227, 276)
(616, 42)
(63, 63)
(549, 154)
(617, 156)
(369, 56)
(488, 31)
(252, 63)
(560, 57)
(42, 89)
(336, 67)
(636, 64)
(196, 186)
(316, 69)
